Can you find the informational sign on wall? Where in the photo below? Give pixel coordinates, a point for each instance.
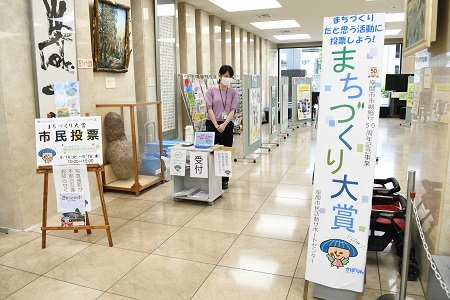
(68, 141)
(71, 179)
(199, 164)
(346, 150)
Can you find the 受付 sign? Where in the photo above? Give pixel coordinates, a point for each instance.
(68, 141)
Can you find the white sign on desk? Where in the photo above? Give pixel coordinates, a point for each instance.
(199, 164)
(178, 162)
(222, 163)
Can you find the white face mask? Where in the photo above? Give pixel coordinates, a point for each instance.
(226, 81)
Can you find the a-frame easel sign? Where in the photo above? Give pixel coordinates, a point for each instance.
(73, 145)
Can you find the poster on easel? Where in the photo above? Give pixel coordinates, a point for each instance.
(71, 179)
(303, 101)
(73, 210)
(255, 115)
(67, 99)
(441, 103)
(68, 141)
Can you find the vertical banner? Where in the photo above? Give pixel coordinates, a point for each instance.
(346, 150)
(55, 49)
(178, 162)
(199, 164)
(71, 179)
(222, 163)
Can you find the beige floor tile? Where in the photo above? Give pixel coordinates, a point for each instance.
(289, 178)
(97, 267)
(96, 234)
(243, 202)
(141, 236)
(371, 294)
(408, 296)
(292, 191)
(12, 280)
(263, 255)
(221, 220)
(51, 221)
(227, 283)
(242, 166)
(259, 176)
(40, 261)
(300, 170)
(372, 274)
(109, 296)
(270, 167)
(278, 227)
(197, 245)
(14, 240)
(390, 278)
(297, 289)
(174, 213)
(287, 207)
(125, 208)
(301, 266)
(108, 198)
(253, 188)
(47, 288)
(156, 194)
(159, 277)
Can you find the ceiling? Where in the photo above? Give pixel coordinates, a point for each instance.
(309, 14)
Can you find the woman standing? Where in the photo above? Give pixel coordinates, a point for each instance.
(221, 103)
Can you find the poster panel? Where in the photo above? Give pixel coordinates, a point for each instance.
(441, 103)
(68, 141)
(285, 103)
(346, 150)
(303, 101)
(274, 112)
(255, 115)
(55, 49)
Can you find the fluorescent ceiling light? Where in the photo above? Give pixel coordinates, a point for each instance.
(240, 5)
(164, 10)
(276, 24)
(285, 37)
(396, 17)
(392, 31)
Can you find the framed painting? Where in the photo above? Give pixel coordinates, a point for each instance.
(111, 36)
(420, 25)
(54, 49)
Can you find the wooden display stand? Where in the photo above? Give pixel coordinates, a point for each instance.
(138, 182)
(91, 168)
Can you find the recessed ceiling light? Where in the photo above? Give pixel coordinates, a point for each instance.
(392, 31)
(239, 5)
(264, 16)
(276, 24)
(285, 37)
(395, 17)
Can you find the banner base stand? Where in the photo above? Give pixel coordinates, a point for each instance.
(325, 292)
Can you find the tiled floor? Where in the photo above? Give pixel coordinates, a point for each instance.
(251, 244)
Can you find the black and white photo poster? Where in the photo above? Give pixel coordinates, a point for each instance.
(54, 48)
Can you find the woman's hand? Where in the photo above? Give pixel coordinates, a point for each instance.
(221, 127)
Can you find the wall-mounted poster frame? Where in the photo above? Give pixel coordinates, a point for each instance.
(166, 66)
(420, 25)
(54, 49)
(111, 36)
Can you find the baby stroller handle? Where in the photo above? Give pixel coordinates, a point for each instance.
(383, 182)
(386, 200)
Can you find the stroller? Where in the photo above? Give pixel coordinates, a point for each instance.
(387, 222)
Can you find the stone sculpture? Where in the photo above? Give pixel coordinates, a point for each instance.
(119, 151)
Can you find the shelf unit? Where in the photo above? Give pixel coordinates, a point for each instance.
(129, 111)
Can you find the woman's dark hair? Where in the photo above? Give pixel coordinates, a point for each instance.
(226, 68)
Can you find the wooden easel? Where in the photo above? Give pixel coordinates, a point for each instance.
(91, 168)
